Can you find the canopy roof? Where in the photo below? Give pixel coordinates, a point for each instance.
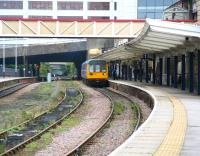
(156, 37)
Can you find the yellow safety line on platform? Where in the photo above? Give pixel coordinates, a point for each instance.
(173, 141)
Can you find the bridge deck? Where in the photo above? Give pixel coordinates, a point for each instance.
(172, 128)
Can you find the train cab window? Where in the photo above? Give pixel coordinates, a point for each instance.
(103, 68)
(97, 67)
(91, 68)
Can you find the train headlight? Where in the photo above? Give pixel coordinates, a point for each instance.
(104, 74)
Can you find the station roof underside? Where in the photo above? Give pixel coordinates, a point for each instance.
(157, 37)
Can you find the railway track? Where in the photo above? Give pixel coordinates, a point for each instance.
(12, 89)
(17, 140)
(89, 141)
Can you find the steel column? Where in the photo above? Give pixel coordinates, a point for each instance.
(16, 60)
(141, 70)
(198, 90)
(168, 71)
(183, 73)
(191, 71)
(147, 69)
(154, 68)
(4, 62)
(175, 71)
(161, 70)
(119, 76)
(126, 74)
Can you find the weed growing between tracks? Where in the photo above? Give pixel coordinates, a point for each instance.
(42, 98)
(118, 107)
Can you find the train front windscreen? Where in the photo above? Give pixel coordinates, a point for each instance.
(97, 66)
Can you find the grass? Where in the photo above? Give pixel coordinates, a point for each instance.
(36, 145)
(2, 148)
(44, 97)
(118, 108)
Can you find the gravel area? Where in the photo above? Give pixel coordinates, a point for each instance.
(115, 133)
(92, 113)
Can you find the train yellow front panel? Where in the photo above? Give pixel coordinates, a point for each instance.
(97, 75)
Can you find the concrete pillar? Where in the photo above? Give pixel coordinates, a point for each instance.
(78, 68)
(161, 70)
(154, 69)
(175, 71)
(191, 72)
(168, 71)
(198, 89)
(183, 73)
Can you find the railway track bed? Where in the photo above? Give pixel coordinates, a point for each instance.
(17, 138)
(124, 120)
(12, 89)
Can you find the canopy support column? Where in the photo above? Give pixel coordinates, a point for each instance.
(154, 68)
(183, 73)
(168, 71)
(175, 71)
(191, 72)
(198, 90)
(161, 70)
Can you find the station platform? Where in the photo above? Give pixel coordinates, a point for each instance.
(9, 78)
(172, 129)
(8, 81)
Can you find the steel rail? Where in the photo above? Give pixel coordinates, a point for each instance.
(24, 143)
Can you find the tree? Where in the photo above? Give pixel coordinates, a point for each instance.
(44, 69)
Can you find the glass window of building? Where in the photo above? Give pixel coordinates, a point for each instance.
(40, 5)
(98, 17)
(115, 6)
(70, 17)
(153, 8)
(98, 6)
(70, 5)
(40, 17)
(11, 4)
(142, 3)
(10, 16)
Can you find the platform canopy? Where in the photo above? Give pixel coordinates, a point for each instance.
(157, 36)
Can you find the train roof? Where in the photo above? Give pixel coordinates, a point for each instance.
(87, 61)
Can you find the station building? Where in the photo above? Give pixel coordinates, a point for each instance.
(84, 9)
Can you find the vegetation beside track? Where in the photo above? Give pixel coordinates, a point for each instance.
(28, 106)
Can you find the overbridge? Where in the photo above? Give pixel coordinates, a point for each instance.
(69, 28)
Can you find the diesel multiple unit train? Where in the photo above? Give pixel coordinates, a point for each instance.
(95, 72)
